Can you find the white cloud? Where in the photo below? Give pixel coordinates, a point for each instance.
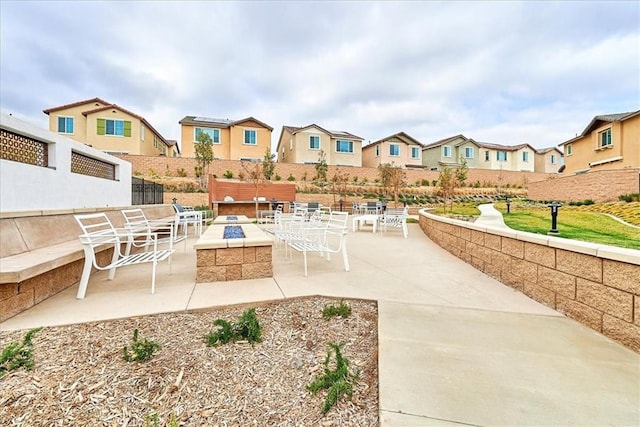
(503, 72)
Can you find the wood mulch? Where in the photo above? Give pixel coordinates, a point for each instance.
(80, 377)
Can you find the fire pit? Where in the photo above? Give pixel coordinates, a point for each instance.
(233, 252)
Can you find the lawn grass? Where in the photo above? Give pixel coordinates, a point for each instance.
(578, 225)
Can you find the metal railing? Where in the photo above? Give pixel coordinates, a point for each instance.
(146, 192)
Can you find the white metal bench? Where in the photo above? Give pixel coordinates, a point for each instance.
(165, 230)
(99, 231)
(325, 238)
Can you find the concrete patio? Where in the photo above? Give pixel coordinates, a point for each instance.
(456, 347)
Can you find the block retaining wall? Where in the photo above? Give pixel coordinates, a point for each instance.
(598, 286)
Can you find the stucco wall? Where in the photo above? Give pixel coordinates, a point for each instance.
(599, 186)
(597, 285)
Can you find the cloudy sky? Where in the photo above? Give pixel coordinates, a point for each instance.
(504, 72)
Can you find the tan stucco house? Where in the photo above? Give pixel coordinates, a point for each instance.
(610, 141)
(304, 144)
(398, 149)
(109, 128)
(245, 139)
(458, 149)
(548, 160)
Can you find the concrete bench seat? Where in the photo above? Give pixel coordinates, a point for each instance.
(41, 254)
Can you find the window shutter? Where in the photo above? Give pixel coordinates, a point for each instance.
(101, 126)
(127, 128)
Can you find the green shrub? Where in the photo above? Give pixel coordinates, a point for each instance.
(278, 177)
(246, 328)
(141, 350)
(18, 355)
(181, 172)
(338, 381)
(291, 178)
(228, 174)
(343, 310)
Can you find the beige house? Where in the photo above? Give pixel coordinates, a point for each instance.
(246, 139)
(399, 149)
(610, 141)
(458, 149)
(548, 160)
(109, 128)
(304, 145)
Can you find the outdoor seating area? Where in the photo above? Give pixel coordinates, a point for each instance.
(380, 217)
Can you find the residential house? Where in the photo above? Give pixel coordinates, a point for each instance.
(174, 148)
(548, 160)
(458, 149)
(304, 145)
(398, 149)
(610, 141)
(246, 139)
(107, 127)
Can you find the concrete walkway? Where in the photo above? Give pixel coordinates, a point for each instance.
(456, 347)
(490, 216)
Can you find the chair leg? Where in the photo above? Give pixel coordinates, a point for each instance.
(84, 279)
(304, 255)
(114, 258)
(345, 257)
(153, 276)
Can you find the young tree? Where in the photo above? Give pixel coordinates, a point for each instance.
(339, 185)
(204, 155)
(268, 164)
(255, 173)
(392, 177)
(322, 167)
(446, 182)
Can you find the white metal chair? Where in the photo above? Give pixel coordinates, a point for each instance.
(97, 232)
(184, 218)
(395, 218)
(325, 240)
(166, 231)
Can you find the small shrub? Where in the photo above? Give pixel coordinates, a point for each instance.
(434, 182)
(631, 197)
(141, 350)
(181, 172)
(228, 174)
(18, 355)
(338, 381)
(343, 310)
(291, 178)
(278, 177)
(246, 328)
(241, 176)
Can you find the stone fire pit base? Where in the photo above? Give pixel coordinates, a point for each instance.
(220, 259)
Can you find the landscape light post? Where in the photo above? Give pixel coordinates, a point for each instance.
(554, 217)
(174, 200)
(508, 201)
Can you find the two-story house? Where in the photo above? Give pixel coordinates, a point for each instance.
(548, 160)
(458, 149)
(109, 128)
(398, 149)
(304, 144)
(245, 139)
(610, 141)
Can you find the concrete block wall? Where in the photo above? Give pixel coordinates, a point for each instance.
(596, 285)
(169, 166)
(599, 186)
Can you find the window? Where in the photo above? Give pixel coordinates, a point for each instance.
(604, 138)
(141, 132)
(415, 152)
(468, 152)
(377, 150)
(525, 156)
(486, 156)
(214, 134)
(553, 159)
(160, 146)
(314, 142)
(501, 156)
(344, 146)
(394, 150)
(65, 124)
(250, 137)
(114, 127)
(290, 144)
(446, 151)
(569, 149)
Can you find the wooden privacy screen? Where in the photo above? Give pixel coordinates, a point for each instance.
(246, 191)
